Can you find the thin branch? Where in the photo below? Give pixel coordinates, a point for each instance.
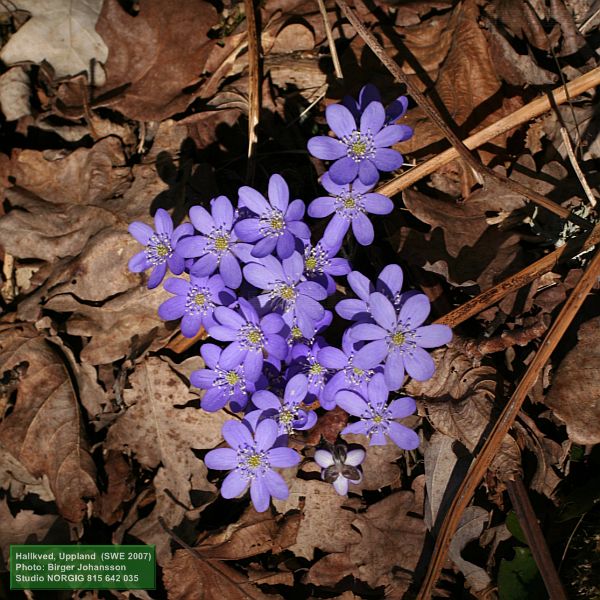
(253, 86)
(503, 424)
(533, 109)
(584, 184)
(535, 538)
(332, 49)
(431, 111)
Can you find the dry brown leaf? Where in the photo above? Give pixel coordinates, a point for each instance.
(15, 90)
(18, 481)
(120, 488)
(161, 435)
(325, 523)
(187, 576)
(45, 430)
(156, 57)
(391, 540)
(84, 176)
(575, 393)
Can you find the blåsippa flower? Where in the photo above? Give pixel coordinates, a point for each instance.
(194, 301)
(399, 338)
(360, 151)
(349, 204)
(340, 466)
(369, 93)
(377, 417)
(278, 224)
(161, 247)
(321, 264)
(252, 458)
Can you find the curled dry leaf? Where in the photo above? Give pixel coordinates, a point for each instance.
(161, 434)
(45, 430)
(120, 489)
(19, 482)
(15, 90)
(390, 543)
(459, 400)
(60, 32)
(575, 393)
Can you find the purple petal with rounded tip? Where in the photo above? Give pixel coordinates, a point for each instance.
(402, 407)
(351, 402)
(360, 285)
(324, 458)
(390, 135)
(326, 148)
(295, 210)
(259, 494)
(333, 188)
(365, 358)
(176, 264)
(253, 200)
(221, 459)
(372, 118)
(312, 289)
(173, 308)
(229, 317)
(264, 247)
(293, 266)
(355, 457)
(204, 266)
(377, 439)
(248, 230)
(222, 333)
(300, 230)
(232, 356)
(203, 379)
(432, 336)
(403, 437)
(378, 390)
(415, 310)
(378, 204)
(138, 263)
(236, 434)
(276, 485)
(350, 309)
(336, 230)
(283, 457)
(264, 400)
(202, 219)
(285, 245)
(332, 387)
(210, 353)
(368, 173)
(266, 434)
(163, 222)
(340, 120)
(392, 277)
(367, 331)
(192, 246)
(259, 276)
(141, 232)
(386, 159)
(339, 266)
(214, 399)
(272, 323)
(332, 358)
(178, 286)
(230, 271)
(279, 193)
(181, 231)
(340, 485)
(157, 275)
(377, 351)
(222, 212)
(360, 428)
(383, 311)
(419, 364)
(343, 170)
(233, 485)
(363, 229)
(394, 370)
(253, 365)
(276, 346)
(296, 389)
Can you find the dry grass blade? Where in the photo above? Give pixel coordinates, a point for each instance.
(253, 87)
(431, 111)
(573, 159)
(332, 48)
(514, 282)
(503, 424)
(533, 109)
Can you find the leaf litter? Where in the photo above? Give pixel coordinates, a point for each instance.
(98, 423)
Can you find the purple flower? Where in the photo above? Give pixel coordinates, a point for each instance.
(250, 337)
(287, 411)
(295, 335)
(320, 265)
(278, 223)
(305, 360)
(399, 338)
(217, 246)
(194, 302)
(349, 204)
(252, 459)
(369, 93)
(377, 417)
(353, 369)
(340, 466)
(222, 385)
(389, 283)
(285, 290)
(162, 247)
(359, 151)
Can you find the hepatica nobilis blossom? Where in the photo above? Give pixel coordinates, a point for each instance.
(217, 247)
(399, 337)
(285, 290)
(287, 411)
(251, 459)
(360, 150)
(321, 264)
(377, 417)
(340, 466)
(369, 93)
(349, 204)
(305, 359)
(250, 336)
(278, 222)
(194, 301)
(161, 246)
(221, 385)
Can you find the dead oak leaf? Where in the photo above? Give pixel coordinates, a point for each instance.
(60, 32)
(45, 430)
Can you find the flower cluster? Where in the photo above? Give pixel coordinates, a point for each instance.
(257, 283)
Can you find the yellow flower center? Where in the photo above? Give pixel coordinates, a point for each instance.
(311, 263)
(232, 378)
(221, 243)
(286, 417)
(200, 299)
(254, 336)
(349, 203)
(358, 148)
(315, 369)
(287, 292)
(254, 461)
(377, 419)
(296, 332)
(276, 223)
(398, 338)
(162, 250)
(358, 371)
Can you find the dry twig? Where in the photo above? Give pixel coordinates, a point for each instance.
(253, 87)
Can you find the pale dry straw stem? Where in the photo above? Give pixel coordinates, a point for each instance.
(573, 159)
(503, 424)
(332, 49)
(253, 86)
(533, 109)
(432, 112)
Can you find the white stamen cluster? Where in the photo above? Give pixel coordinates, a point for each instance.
(159, 249)
(359, 146)
(252, 462)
